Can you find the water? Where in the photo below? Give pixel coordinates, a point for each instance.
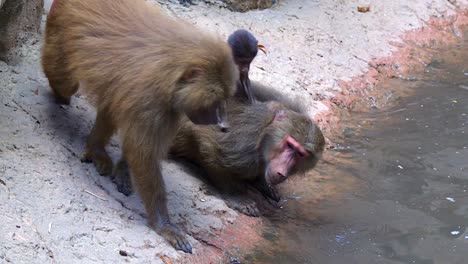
(396, 190)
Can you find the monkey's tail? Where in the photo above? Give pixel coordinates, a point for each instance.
(55, 66)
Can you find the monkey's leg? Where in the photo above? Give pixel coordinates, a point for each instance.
(97, 140)
(146, 172)
(121, 177)
(63, 88)
(55, 67)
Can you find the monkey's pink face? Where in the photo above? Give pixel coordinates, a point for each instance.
(285, 157)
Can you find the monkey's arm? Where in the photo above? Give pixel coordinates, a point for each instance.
(267, 191)
(143, 159)
(264, 93)
(233, 190)
(234, 194)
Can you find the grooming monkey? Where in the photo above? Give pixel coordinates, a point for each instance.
(143, 71)
(244, 48)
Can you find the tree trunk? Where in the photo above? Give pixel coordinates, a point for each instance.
(19, 20)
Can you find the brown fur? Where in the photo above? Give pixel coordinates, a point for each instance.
(242, 155)
(142, 70)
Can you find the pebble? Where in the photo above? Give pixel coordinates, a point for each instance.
(450, 199)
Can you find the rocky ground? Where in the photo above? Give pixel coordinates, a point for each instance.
(57, 209)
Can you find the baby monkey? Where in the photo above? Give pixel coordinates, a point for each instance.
(244, 48)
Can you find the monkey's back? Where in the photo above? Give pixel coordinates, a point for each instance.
(124, 51)
(234, 153)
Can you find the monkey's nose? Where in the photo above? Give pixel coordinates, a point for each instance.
(281, 174)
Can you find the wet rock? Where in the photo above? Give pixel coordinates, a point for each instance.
(19, 20)
(348, 132)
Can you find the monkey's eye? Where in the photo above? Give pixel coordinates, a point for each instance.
(303, 153)
(298, 152)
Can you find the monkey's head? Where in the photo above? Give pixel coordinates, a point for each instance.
(244, 48)
(290, 144)
(205, 85)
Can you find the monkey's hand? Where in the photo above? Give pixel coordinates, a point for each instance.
(175, 237)
(272, 193)
(242, 205)
(267, 190)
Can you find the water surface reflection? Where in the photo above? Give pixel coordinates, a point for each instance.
(397, 188)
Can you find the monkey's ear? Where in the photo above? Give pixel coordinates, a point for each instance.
(191, 75)
(278, 110)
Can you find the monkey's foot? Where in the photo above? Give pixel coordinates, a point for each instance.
(243, 205)
(121, 177)
(175, 237)
(101, 160)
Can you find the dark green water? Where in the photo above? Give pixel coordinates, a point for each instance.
(401, 178)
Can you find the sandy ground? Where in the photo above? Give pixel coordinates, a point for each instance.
(56, 209)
